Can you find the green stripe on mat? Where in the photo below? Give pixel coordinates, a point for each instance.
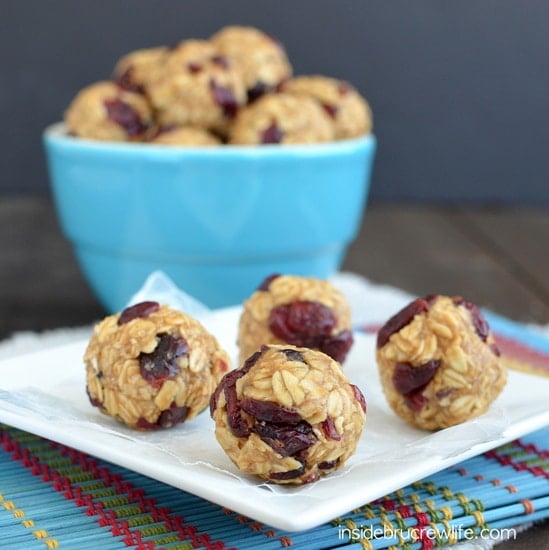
(52, 496)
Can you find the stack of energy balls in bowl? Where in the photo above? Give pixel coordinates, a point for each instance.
(235, 88)
(211, 162)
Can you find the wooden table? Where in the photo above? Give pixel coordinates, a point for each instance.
(495, 257)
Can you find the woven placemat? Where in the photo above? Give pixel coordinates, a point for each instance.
(52, 496)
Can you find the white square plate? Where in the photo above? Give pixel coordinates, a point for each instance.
(44, 393)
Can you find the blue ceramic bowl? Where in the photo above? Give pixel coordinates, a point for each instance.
(217, 220)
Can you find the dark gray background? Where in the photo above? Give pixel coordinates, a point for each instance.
(459, 89)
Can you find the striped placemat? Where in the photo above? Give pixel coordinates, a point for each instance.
(52, 496)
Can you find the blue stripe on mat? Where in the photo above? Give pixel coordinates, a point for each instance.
(517, 331)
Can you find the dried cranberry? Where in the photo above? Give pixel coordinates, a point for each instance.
(309, 324)
(293, 355)
(125, 81)
(406, 378)
(252, 360)
(221, 61)
(194, 67)
(237, 423)
(168, 418)
(344, 88)
(286, 440)
(495, 350)
(215, 395)
(359, 397)
(228, 380)
(444, 393)
(140, 310)
(400, 320)
(415, 400)
(411, 381)
(331, 109)
(222, 365)
(292, 474)
(272, 134)
(228, 386)
(337, 347)
(256, 91)
(264, 286)
(172, 416)
(224, 98)
(268, 411)
(302, 323)
(160, 130)
(280, 427)
(330, 430)
(93, 400)
(146, 425)
(481, 326)
(126, 116)
(161, 363)
(478, 320)
(328, 464)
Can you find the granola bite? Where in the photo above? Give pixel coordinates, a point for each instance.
(134, 70)
(105, 111)
(196, 86)
(301, 311)
(185, 135)
(288, 415)
(261, 59)
(281, 118)
(152, 367)
(348, 111)
(438, 362)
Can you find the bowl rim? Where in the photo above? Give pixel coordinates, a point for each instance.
(56, 134)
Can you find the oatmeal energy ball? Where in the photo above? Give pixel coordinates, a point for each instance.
(302, 311)
(288, 415)
(105, 111)
(438, 362)
(152, 367)
(281, 118)
(349, 112)
(261, 59)
(196, 86)
(134, 70)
